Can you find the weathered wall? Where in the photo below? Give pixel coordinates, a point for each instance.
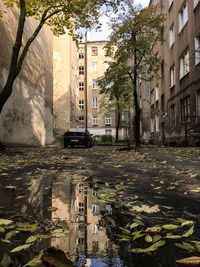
(64, 72)
(27, 116)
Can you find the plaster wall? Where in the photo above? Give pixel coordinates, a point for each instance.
(27, 116)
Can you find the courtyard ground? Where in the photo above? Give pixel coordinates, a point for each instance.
(161, 176)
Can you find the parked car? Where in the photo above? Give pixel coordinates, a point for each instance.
(78, 137)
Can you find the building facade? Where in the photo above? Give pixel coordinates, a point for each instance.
(174, 99)
(92, 114)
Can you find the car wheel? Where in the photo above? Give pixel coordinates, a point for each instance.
(72, 145)
(65, 145)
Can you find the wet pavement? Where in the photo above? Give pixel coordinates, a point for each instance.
(81, 188)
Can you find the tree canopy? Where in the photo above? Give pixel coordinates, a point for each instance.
(61, 16)
(135, 34)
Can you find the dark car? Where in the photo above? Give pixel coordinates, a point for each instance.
(78, 137)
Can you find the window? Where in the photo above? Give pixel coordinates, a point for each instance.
(184, 64)
(81, 86)
(95, 209)
(94, 229)
(152, 125)
(125, 116)
(171, 35)
(163, 103)
(108, 121)
(152, 97)
(81, 104)
(198, 103)
(197, 50)
(106, 65)
(196, 2)
(81, 70)
(94, 51)
(95, 102)
(95, 121)
(81, 207)
(81, 55)
(172, 76)
(156, 94)
(81, 120)
(183, 16)
(162, 69)
(173, 115)
(95, 246)
(95, 66)
(94, 84)
(81, 241)
(185, 108)
(157, 123)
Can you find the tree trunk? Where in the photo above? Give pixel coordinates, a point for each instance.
(13, 71)
(118, 123)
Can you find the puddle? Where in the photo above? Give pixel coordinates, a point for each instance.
(94, 223)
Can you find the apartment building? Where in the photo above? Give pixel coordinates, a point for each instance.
(93, 62)
(174, 99)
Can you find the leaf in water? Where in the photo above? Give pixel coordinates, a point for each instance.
(31, 239)
(20, 196)
(125, 231)
(52, 209)
(170, 226)
(158, 244)
(134, 225)
(191, 261)
(37, 261)
(146, 208)
(196, 190)
(5, 241)
(11, 234)
(170, 236)
(22, 247)
(6, 261)
(156, 238)
(187, 223)
(5, 222)
(56, 257)
(2, 230)
(185, 246)
(148, 238)
(189, 232)
(26, 227)
(154, 229)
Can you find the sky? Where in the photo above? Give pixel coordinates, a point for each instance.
(103, 35)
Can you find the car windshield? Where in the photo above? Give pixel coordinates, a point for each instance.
(74, 134)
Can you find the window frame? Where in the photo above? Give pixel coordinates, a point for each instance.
(95, 102)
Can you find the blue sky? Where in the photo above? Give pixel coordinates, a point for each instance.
(103, 35)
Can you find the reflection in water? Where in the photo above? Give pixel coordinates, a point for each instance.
(85, 237)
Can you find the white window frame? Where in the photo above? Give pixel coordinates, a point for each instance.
(156, 94)
(172, 76)
(81, 104)
(108, 121)
(183, 16)
(152, 125)
(197, 50)
(81, 120)
(157, 123)
(81, 86)
(95, 121)
(95, 84)
(95, 209)
(171, 35)
(184, 64)
(94, 66)
(94, 229)
(108, 132)
(95, 102)
(81, 70)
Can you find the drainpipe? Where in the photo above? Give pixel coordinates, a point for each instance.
(86, 103)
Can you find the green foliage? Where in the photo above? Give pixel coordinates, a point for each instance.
(29, 234)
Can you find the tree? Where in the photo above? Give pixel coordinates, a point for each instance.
(60, 15)
(135, 34)
(115, 85)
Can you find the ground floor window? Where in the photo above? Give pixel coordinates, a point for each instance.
(185, 109)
